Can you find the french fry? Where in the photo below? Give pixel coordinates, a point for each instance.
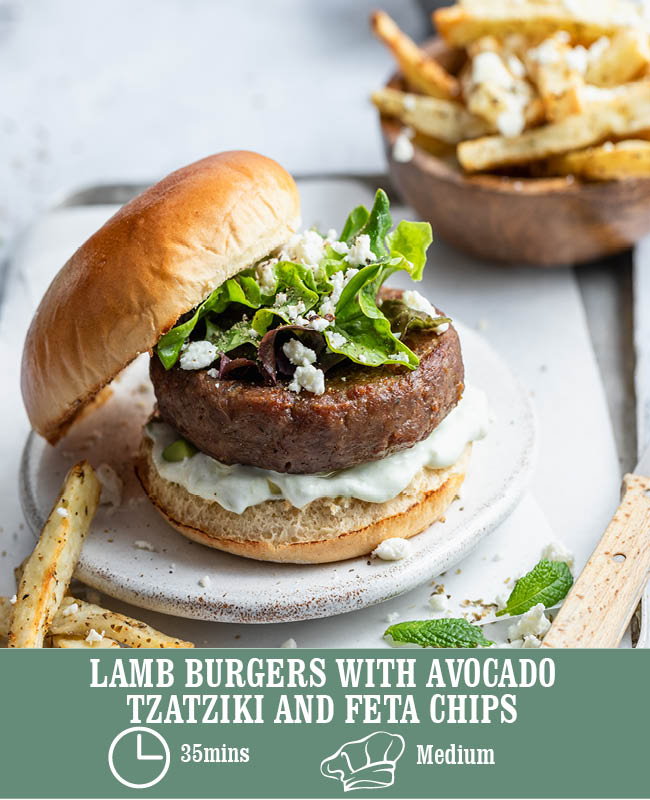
(627, 159)
(584, 20)
(48, 570)
(122, 629)
(559, 83)
(420, 70)
(618, 60)
(442, 119)
(74, 643)
(621, 115)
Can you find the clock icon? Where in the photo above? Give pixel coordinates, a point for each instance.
(138, 757)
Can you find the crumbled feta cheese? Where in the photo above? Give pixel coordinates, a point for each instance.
(392, 617)
(394, 549)
(360, 253)
(308, 377)
(608, 147)
(62, 512)
(515, 66)
(532, 641)
(265, 274)
(13, 599)
(339, 281)
(439, 602)
(336, 339)
(417, 302)
(444, 326)
(409, 102)
(213, 373)
(112, 487)
(197, 355)
(577, 59)
(204, 581)
(402, 358)
(94, 637)
(502, 600)
(142, 544)
(598, 48)
(403, 149)
(339, 247)
(307, 248)
(71, 609)
(533, 622)
(488, 67)
(328, 307)
(556, 551)
(289, 644)
(295, 310)
(332, 236)
(317, 323)
(547, 53)
(280, 299)
(298, 354)
(512, 121)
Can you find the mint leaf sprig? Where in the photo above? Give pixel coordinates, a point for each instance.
(548, 582)
(446, 632)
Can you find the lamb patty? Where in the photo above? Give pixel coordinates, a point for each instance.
(365, 414)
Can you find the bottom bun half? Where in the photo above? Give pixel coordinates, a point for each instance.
(324, 530)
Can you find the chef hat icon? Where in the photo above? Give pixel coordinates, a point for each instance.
(367, 763)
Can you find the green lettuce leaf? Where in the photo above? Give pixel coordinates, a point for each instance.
(225, 341)
(403, 318)
(361, 330)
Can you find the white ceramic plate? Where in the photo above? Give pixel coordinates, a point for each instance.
(241, 590)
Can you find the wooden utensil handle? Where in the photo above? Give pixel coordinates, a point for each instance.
(600, 605)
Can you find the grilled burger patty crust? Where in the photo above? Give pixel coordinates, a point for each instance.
(365, 414)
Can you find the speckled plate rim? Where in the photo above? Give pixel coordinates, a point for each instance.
(343, 594)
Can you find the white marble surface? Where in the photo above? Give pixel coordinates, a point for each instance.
(100, 92)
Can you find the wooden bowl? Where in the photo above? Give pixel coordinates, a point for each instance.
(542, 221)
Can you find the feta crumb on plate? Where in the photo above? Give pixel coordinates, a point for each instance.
(394, 549)
(290, 643)
(112, 487)
(392, 617)
(556, 551)
(533, 622)
(71, 609)
(197, 355)
(143, 544)
(205, 581)
(439, 602)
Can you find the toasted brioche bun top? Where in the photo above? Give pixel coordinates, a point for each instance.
(157, 258)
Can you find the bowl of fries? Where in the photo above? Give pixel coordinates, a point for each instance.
(522, 132)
